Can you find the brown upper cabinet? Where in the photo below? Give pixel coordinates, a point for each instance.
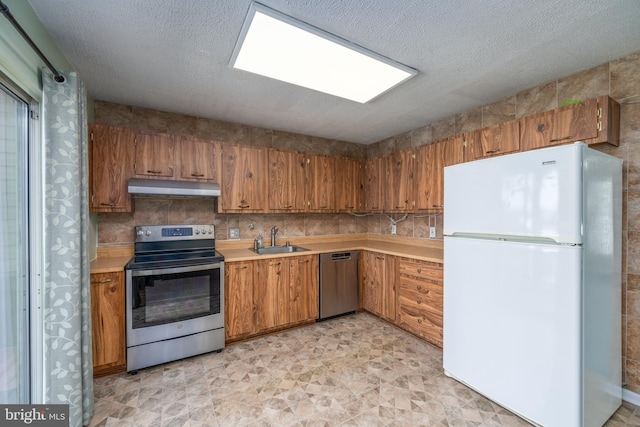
(495, 140)
(244, 178)
(320, 177)
(154, 155)
(349, 184)
(199, 160)
(286, 181)
(398, 181)
(111, 162)
(429, 171)
(593, 121)
(373, 188)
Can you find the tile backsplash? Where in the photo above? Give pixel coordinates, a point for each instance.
(116, 229)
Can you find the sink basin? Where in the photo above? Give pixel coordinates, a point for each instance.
(278, 250)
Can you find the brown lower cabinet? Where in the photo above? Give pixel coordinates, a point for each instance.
(108, 323)
(271, 293)
(420, 298)
(378, 284)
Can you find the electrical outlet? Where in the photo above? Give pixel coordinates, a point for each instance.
(432, 232)
(393, 229)
(234, 233)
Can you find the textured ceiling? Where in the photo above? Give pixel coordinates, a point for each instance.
(173, 55)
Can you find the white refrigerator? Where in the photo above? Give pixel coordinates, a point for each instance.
(532, 282)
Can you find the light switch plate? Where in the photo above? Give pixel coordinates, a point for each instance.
(432, 232)
(234, 233)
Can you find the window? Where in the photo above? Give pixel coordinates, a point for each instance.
(14, 246)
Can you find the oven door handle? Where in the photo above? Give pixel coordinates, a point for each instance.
(187, 269)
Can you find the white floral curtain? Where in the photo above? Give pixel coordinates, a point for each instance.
(68, 365)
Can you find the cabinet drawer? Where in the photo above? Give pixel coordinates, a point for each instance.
(426, 326)
(422, 295)
(422, 269)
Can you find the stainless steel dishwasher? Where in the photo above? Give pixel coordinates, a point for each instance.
(338, 283)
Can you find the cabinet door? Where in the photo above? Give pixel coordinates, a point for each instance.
(373, 189)
(154, 155)
(378, 284)
(575, 123)
(286, 180)
(199, 159)
(497, 140)
(244, 178)
(349, 184)
(535, 131)
(239, 308)
(320, 183)
(303, 288)
(429, 171)
(398, 181)
(271, 293)
(107, 322)
(112, 152)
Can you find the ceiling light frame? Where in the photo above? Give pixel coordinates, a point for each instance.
(353, 81)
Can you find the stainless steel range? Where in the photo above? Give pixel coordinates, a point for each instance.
(174, 295)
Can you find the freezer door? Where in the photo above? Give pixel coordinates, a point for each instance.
(537, 193)
(512, 325)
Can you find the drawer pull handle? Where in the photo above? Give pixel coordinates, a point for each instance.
(197, 175)
(495, 150)
(103, 281)
(349, 207)
(287, 207)
(243, 267)
(437, 206)
(156, 172)
(399, 207)
(109, 204)
(560, 139)
(302, 262)
(274, 263)
(244, 206)
(380, 257)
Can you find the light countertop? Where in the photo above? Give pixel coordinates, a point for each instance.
(114, 259)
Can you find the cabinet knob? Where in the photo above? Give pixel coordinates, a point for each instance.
(419, 270)
(418, 287)
(419, 320)
(418, 302)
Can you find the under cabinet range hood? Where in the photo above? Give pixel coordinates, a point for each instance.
(166, 188)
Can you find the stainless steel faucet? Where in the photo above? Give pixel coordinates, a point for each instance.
(274, 231)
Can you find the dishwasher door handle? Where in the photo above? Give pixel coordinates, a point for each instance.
(346, 256)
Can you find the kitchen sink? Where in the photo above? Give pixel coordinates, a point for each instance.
(278, 250)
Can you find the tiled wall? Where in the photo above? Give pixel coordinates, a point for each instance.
(620, 79)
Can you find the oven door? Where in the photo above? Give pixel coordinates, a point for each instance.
(174, 302)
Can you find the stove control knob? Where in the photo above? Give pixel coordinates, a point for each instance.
(197, 231)
(148, 233)
(140, 233)
(210, 230)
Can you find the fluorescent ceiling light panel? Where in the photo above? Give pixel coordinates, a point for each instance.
(277, 46)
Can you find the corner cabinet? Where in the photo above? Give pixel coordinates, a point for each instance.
(111, 166)
(244, 179)
(108, 323)
(378, 284)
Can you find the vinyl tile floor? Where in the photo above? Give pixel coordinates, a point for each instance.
(350, 371)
